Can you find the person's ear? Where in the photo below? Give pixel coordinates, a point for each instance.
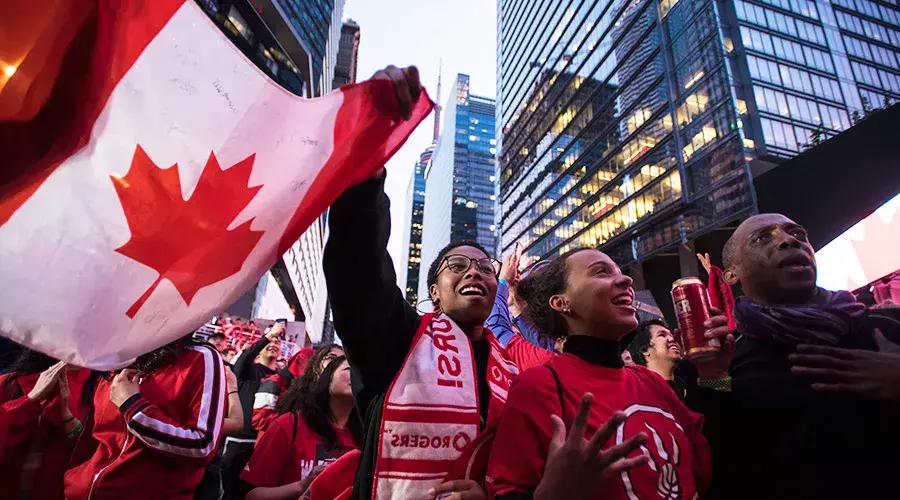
(560, 304)
(730, 276)
(435, 297)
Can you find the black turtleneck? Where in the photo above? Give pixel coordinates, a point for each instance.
(595, 351)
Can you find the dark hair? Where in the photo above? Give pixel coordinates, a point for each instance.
(314, 406)
(640, 344)
(216, 335)
(29, 362)
(145, 363)
(436, 263)
(290, 400)
(537, 289)
(232, 349)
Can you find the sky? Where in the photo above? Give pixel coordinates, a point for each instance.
(422, 33)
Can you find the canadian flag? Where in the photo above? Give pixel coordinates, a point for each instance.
(152, 173)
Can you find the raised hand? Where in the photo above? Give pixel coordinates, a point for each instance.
(406, 86)
(576, 467)
(705, 262)
(124, 385)
(46, 382)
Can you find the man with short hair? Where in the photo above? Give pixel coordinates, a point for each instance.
(228, 354)
(655, 347)
(785, 424)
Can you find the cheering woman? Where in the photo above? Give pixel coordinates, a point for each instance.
(319, 426)
(583, 296)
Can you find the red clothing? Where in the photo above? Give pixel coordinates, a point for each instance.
(157, 443)
(720, 295)
(527, 355)
(520, 448)
(289, 450)
(273, 387)
(36, 449)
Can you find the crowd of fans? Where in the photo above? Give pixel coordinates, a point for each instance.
(536, 383)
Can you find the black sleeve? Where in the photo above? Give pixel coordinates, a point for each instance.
(245, 360)
(372, 318)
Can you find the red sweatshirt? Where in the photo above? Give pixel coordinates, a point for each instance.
(520, 448)
(289, 451)
(157, 443)
(35, 452)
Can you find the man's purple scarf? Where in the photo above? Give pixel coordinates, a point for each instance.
(822, 324)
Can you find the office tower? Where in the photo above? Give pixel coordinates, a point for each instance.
(348, 53)
(296, 43)
(460, 180)
(412, 234)
(636, 126)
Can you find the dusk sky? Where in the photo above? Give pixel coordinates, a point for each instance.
(421, 33)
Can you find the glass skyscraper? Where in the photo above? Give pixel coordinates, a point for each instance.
(636, 126)
(461, 181)
(412, 236)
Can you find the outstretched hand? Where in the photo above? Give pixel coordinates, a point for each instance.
(868, 374)
(576, 466)
(704, 261)
(407, 87)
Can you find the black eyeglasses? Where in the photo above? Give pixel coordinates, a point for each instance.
(459, 264)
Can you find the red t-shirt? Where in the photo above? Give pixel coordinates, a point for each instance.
(519, 451)
(282, 457)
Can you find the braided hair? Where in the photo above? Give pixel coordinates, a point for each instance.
(537, 289)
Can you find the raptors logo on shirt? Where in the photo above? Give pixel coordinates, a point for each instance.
(666, 447)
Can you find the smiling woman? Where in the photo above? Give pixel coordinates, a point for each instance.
(583, 296)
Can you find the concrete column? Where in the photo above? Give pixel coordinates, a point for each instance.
(687, 259)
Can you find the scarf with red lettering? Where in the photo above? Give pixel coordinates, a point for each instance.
(431, 420)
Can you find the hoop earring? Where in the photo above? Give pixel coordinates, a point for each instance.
(436, 306)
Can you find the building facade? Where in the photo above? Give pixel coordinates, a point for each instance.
(460, 182)
(636, 126)
(348, 54)
(412, 232)
(296, 43)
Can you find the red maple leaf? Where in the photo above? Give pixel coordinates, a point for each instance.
(877, 251)
(187, 242)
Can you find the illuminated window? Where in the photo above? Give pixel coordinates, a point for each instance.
(493, 142)
(694, 79)
(729, 45)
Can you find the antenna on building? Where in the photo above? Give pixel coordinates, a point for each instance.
(437, 107)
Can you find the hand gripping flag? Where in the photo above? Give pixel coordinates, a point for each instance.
(152, 173)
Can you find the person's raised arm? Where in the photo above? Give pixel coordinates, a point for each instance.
(248, 357)
(371, 316)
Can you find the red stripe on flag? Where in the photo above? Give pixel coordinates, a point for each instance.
(366, 135)
(111, 37)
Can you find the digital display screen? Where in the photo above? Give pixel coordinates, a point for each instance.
(864, 253)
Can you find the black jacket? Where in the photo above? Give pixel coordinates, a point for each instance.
(774, 438)
(249, 375)
(371, 316)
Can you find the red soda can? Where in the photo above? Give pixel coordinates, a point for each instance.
(692, 310)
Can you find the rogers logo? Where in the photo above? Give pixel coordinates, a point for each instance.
(459, 441)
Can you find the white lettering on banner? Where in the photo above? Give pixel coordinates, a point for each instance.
(448, 363)
(425, 441)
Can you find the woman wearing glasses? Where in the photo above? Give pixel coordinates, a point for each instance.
(430, 388)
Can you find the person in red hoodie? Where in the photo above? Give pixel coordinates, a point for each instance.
(583, 295)
(157, 425)
(316, 427)
(303, 368)
(42, 425)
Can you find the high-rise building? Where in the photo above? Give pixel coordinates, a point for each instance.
(412, 234)
(460, 180)
(636, 126)
(348, 53)
(296, 43)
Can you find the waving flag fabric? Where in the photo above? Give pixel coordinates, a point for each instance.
(152, 173)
